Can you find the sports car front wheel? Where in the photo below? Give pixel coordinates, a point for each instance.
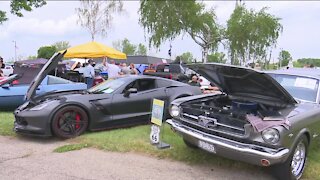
(69, 122)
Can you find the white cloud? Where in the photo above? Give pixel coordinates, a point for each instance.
(49, 27)
(57, 21)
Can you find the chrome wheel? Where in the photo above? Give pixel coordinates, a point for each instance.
(298, 160)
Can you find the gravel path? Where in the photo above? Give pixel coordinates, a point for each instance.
(30, 158)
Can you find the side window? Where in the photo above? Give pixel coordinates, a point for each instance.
(160, 68)
(163, 83)
(142, 85)
(133, 84)
(55, 80)
(146, 84)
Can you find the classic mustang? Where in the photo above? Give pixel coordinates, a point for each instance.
(114, 103)
(262, 118)
(12, 93)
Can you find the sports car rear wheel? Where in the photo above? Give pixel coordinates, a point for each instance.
(69, 122)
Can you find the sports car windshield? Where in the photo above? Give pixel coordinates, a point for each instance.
(107, 87)
(303, 88)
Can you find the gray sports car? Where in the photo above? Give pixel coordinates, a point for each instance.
(262, 118)
(119, 102)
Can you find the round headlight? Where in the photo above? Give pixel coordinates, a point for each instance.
(271, 135)
(174, 111)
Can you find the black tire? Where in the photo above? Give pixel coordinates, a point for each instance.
(189, 144)
(290, 170)
(69, 122)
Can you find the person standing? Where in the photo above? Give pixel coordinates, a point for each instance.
(133, 69)
(68, 66)
(113, 69)
(89, 74)
(125, 69)
(1, 63)
(194, 81)
(104, 66)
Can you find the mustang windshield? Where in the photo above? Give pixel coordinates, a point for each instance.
(299, 87)
(107, 86)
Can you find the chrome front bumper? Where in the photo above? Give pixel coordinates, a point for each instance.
(249, 153)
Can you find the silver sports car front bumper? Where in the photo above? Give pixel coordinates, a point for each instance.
(249, 153)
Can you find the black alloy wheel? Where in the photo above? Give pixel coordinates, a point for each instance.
(69, 122)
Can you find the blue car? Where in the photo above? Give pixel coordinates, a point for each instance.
(12, 93)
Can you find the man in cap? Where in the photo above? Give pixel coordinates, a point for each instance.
(89, 74)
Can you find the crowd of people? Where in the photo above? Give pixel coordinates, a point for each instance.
(111, 68)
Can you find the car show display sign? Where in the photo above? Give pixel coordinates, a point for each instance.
(156, 119)
(155, 134)
(157, 112)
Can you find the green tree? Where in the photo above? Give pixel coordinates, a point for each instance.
(125, 46)
(187, 57)
(61, 45)
(284, 58)
(141, 50)
(218, 57)
(309, 61)
(165, 20)
(128, 48)
(18, 5)
(251, 35)
(46, 52)
(297, 64)
(96, 16)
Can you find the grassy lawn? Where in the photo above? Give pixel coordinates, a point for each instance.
(6, 124)
(136, 139)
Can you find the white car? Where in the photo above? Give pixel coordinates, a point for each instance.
(7, 70)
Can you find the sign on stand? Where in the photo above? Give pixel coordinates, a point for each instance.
(156, 119)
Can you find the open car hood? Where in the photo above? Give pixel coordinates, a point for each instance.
(244, 82)
(9, 79)
(49, 66)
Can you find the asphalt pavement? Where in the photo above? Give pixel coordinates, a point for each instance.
(33, 158)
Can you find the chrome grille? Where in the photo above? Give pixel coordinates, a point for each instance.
(217, 122)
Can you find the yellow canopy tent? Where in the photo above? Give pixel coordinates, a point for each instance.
(93, 50)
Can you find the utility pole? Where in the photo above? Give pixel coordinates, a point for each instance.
(169, 51)
(280, 60)
(15, 50)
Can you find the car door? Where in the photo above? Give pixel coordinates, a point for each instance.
(136, 108)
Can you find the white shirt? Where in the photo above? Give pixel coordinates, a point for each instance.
(103, 68)
(88, 71)
(113, 70)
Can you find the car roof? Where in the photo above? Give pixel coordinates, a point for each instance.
(150, 77)
(308, 72)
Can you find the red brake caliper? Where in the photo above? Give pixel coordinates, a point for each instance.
(78, 117)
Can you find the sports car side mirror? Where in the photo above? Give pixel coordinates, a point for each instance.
(129, 91)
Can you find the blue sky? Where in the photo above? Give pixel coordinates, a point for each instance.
(57, 21)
